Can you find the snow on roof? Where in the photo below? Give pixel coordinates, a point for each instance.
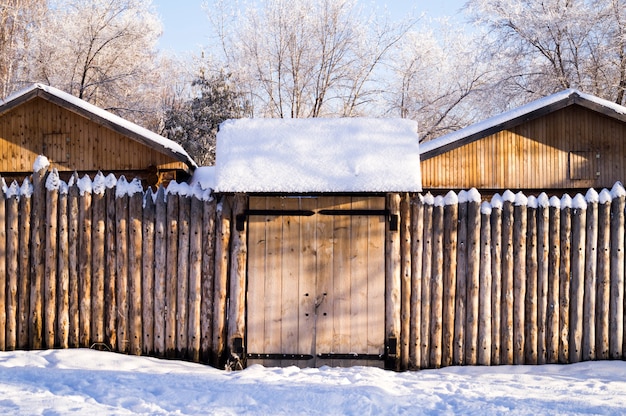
(204, 176)
(487, 126)
(318, 155)
(169, 146)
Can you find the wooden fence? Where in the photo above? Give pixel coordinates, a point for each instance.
(104, 264)
(515, 281)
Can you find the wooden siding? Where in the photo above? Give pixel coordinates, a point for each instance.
(71, 142)
(551, 152)
(316, 284)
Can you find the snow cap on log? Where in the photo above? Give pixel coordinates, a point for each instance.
(53, 181)
(543, 201)
(41, 163)
(618, 190)
(579, 202)
(605, 196)
(566, 201)
(496, 201)
(555, 202)
(592, 196)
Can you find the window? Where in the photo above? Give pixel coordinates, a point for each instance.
(583, 165)
(56, 148)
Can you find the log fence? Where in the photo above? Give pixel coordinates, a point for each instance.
(538, 280)
(105, 264)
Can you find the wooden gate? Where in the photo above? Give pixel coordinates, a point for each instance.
(316, 280)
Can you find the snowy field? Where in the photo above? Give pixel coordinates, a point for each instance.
(71, 382)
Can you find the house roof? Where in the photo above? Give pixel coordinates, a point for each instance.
(100, 116)
(517, 116)
(318, 155)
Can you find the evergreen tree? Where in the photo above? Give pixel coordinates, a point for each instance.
(194, 123)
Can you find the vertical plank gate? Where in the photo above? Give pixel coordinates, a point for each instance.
(316, 280)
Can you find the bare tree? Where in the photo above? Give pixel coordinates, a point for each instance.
(103, 51)
(305, 58)
(555, 44)
(438, 77)
(18, 20)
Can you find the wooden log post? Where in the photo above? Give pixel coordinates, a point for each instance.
(135, 243)
(496, 278)
(182, 276)
(436, 303)
(543, 278)
(417, 251)
(24, 283)
(473, 277)
(12, 276)
(590, 278)
(51, 261)
(460, 307)
(195, 277)
(507, 278)
(393, 278)
(148, 272)
(450, 249)
(208, 277)
(98, 233)
(530, 303)
(122, 256)
(519, 283)
(485, 290)
(604, 275)
(3, 267)
(616, 305)
(63, 271)
(85, 262)
(110, 272)
(222, 257)
(237, 304)
(171, 281)
(577, 284)
(73, 256)
(160, 258)
(37, 254)
(405, 273)
(426, 281)
(565, 232)
(554, 262)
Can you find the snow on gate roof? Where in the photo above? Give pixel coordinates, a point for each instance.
(318, 155)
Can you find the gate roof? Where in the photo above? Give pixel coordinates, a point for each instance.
(318, 155)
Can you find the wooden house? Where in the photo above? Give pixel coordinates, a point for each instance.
(314, 272)
(77, 136)
(568, 141)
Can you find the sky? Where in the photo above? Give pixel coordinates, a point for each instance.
(185, 22)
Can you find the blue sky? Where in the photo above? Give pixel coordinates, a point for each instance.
(185, 23)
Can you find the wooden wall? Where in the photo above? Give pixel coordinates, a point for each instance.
(511, 282)
(132, 273)
(71, 143)
(515, 282)
(572, 148)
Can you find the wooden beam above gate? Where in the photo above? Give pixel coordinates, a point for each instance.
(393, 218)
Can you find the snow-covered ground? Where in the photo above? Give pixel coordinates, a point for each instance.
(92, 382)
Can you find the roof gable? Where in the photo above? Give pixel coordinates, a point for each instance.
(100, 116)
(318, 155)
(517, 116)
